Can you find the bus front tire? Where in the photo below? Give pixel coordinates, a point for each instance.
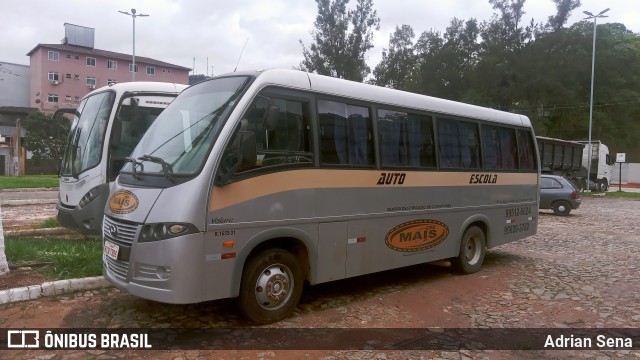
(271, 286)
(472, 251)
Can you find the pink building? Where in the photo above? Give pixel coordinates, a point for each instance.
(61, 74)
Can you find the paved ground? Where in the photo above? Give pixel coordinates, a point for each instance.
(579, 271)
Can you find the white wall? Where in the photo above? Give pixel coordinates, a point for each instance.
(630, 173)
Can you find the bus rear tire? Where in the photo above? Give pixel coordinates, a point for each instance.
(271, 286)
(472, 251)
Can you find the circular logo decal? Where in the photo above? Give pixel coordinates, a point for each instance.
(123, 202)
(416, 235)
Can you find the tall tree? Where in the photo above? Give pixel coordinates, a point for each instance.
(563, 11)
(341, 39)
(46, 136)
(396, 68)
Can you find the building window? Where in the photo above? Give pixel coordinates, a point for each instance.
(54, 55)
(91, 61)
(68, 76)
(91, 82)
(68, 56)
(76, 98)
(53, 76)
(52, 98)
(112, 64)
(111, 82)
(131, 68)
(67, 98)
(77, 57)
(151, 70)
(76, 76)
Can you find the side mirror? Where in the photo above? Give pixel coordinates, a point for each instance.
(240, 155)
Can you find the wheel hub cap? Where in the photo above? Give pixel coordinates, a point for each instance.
(273, 287)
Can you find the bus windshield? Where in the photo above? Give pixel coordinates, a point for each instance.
(84, 147)
(180, 138)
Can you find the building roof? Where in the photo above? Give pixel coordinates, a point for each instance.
(106, 54)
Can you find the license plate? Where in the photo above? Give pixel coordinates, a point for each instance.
(111, 250)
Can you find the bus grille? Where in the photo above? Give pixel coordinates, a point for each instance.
(122, 234)
(118, 232)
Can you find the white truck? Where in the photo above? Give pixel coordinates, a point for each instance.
(571, 160)
(601, 164)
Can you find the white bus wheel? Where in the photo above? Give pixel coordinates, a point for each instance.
(472, 251)
(271, 286)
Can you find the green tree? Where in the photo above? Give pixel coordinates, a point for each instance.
(341, 39)
(46, 136)
(445, 61)
(563, 11)
(396, 68)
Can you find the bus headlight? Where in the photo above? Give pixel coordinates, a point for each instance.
(162, 231)
(89, 196)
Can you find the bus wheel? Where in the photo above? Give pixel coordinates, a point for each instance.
(271, 286)
(472, 251)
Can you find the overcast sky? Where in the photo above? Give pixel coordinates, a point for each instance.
(179, 31)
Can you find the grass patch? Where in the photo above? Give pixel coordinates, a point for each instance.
(613, 194)
(48, 223)
(29, 181)
(71, 258)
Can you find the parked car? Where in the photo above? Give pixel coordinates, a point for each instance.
(558, 194)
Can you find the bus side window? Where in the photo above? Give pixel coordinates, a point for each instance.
(526, 154)
(346, 134)
(499, 148)
(458, 144)
(406, 140)
(282, 131)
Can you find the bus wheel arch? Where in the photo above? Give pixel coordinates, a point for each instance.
(272, 278)
(472, 250)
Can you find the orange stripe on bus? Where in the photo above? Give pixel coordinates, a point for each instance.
(268, 184)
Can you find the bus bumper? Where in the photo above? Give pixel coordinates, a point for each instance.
(166, 271)
(87, 219)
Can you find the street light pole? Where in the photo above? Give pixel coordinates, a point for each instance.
(593, 63)
(133, 15)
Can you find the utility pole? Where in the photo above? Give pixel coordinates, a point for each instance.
(134, 16)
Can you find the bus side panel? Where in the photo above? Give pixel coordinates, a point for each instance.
(332, 250)
(386, 226)
(228, 246)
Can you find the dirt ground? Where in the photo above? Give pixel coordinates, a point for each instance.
(579, 271)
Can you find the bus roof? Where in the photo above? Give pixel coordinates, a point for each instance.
(143, 86)
(384, 96)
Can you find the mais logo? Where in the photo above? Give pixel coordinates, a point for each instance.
(123, 202)
(416, 235)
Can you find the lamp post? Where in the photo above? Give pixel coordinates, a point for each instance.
(593, 63)
(133, 15)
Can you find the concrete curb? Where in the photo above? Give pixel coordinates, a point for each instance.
(30, 189)
(52, 288)
(42, 232)
(28, 202)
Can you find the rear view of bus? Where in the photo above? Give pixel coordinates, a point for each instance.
(108, 124)
(250, 184)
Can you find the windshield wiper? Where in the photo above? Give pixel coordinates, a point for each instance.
(134, 162)
(167, 169)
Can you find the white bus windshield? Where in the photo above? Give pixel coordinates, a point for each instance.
(180, 138)
(84, 148)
